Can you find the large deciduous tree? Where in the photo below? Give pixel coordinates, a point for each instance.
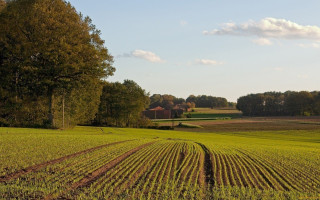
(49, 50)
(121, 104)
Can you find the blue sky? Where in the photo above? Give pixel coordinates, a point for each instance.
(222, 48)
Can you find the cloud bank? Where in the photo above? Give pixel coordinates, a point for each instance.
(269, 28)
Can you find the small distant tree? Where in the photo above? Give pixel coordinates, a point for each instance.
(191, 98)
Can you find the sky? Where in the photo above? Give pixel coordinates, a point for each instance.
(227, 48)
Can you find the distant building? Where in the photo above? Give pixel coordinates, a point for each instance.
(161, 113)
(183, 107)
(157, 113)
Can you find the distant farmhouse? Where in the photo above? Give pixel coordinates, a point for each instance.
(183, 107)
(161, 113)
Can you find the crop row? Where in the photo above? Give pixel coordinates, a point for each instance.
(58, 177)
(148, 169)
(300, 179)
(246, 169)
(165, 167)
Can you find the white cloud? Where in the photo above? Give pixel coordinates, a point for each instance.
(146, 55)
(262, 42)
(208, 62)
(269, 28)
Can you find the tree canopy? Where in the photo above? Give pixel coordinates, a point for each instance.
(279, 104)
(166, 101)
(121, 104)
(204, 101)
(48, 53)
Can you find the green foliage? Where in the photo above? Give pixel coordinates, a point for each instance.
(316, 103)
(213, 113)
(204, 101)
(81, 104)
(48, 51)
(279, 104)
(298, 103)
(121, 105)
(186, 125)
(165, 101)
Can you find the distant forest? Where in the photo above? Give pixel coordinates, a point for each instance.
(289, 103)
(168, 101)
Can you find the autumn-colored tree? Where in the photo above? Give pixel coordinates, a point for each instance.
(2, 5)
(166, 101)
(49, 50)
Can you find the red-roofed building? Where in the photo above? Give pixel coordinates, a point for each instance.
(157, 108)
(161, 113)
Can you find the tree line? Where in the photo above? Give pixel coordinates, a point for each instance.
(204, 101)
(168, 101)
(289, 103)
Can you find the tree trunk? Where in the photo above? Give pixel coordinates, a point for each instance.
(63, 111)
(16, 96)
(51, 108)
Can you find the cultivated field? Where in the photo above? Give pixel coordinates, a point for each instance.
(111, 163)
(229, 120)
